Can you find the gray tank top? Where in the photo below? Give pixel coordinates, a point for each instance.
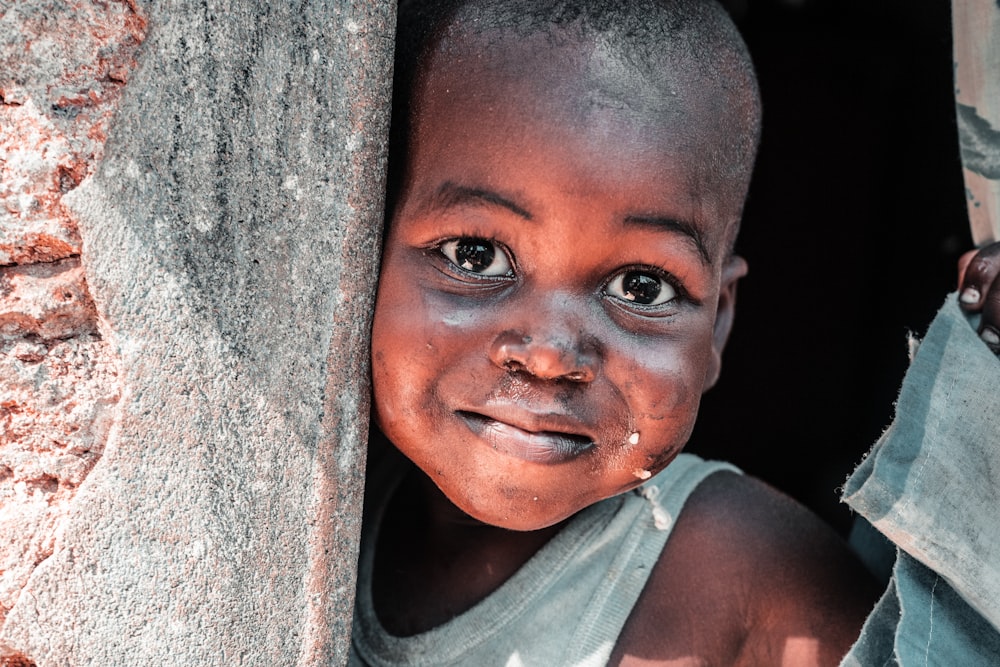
(565, 606)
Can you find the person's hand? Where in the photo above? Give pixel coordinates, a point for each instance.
(979, 290)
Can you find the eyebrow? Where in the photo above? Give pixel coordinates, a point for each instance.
(692, 233)
(451, 195)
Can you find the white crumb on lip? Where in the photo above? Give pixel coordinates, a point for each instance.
(642, 473)
(634, 439)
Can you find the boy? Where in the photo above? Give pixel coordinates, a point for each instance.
(557, 287)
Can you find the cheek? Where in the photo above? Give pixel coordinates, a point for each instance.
(402, 359)
(399, 344)
(663, 389)
(665, 375)
(419, 340)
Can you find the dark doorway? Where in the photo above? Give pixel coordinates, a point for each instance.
(853, 228)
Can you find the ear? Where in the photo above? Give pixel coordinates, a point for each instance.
(734, 269)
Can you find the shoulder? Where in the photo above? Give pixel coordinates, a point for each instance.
(749, 576)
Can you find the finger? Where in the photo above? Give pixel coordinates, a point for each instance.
(978, 273)
(963, 264)
(989, 327)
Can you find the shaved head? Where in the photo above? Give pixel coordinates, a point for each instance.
(646, 52)
(658, 58)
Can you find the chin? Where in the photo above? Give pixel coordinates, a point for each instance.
(522, 515)
(523, 524)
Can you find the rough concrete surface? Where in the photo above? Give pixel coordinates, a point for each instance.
(191, 198)
(62, 67)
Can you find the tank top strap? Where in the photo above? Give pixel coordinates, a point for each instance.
(659, 502)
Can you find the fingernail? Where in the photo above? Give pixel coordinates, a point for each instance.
(969, 295)
(989, 336)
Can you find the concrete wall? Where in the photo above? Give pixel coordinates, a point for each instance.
(190, 202)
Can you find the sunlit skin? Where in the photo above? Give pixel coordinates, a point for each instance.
(557, 287)
(517, 385)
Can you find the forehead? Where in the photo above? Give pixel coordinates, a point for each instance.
(526, 98)
(564, 77)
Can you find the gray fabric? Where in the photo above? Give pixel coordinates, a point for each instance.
(921, 620)
(932, 485)
(873, 548)
(874, 648)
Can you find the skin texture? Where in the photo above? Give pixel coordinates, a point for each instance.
(748, 577)
(570, 196)
(514, 359)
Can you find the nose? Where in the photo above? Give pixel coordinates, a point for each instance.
(547, 355)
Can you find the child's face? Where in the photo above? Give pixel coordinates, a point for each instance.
(556, 286)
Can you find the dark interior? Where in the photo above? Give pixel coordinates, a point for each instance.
(853, 228)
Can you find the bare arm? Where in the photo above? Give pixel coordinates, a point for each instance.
(749, 577)
(811, 595)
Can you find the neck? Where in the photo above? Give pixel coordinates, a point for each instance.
(434, 562)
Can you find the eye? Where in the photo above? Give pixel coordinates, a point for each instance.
(479, 256)
(641, 287)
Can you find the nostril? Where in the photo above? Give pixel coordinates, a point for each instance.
(558, 358)
(514, 366)
(583, 373)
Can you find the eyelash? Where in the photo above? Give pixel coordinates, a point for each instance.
(437, 252)
(681, 294)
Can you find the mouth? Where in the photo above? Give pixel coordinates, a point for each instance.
(537, 441)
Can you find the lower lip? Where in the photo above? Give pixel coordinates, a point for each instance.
(537, 447)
